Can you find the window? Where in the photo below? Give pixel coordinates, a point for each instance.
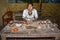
(11, 1)
(51, 1)
(23, 1)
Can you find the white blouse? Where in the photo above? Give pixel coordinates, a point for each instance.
(29, 17)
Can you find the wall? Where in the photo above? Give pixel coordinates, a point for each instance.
(3, 9)
(51, 9)
(20, 7)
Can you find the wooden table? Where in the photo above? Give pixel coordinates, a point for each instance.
(30, 33)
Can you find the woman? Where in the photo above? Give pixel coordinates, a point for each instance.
(30, 14)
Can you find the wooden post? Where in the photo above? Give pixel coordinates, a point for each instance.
(40, 15)
(40, 5)
(16, 1)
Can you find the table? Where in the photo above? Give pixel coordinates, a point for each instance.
(40, 28)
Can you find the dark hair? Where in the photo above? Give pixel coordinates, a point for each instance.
(30, 3)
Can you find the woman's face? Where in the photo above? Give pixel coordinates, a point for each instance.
(30, 7)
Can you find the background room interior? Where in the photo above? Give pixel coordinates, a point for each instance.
(13, 10)
(47, 9)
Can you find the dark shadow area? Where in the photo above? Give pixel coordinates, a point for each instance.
(30, 38)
